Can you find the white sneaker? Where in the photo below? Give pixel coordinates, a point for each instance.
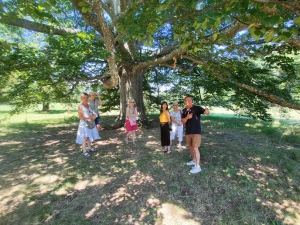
(195, 169)
(191, 163)
(179, 146)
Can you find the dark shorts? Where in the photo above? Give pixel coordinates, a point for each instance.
(97, 120)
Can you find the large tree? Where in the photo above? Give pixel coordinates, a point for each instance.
(214, 40)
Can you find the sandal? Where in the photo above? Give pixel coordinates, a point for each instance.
(91, 150)
(85, 154)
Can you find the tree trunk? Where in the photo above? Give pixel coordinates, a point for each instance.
(46, 106)
(132, 87)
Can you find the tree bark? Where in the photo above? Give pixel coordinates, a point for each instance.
(131, 87)
(46, 107)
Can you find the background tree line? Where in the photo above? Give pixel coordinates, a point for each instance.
(237, 54)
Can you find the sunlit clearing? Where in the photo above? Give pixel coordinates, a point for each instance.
(9, 198)
(52, 142)
(93, 210)
(151, 143)
(288, 211)
(128, 191)
(172, 214)
(10, 143)
(98, 181)
(255, 125)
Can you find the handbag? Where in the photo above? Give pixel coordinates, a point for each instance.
(90, 124)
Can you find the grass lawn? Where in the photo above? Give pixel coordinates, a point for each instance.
(250, 173)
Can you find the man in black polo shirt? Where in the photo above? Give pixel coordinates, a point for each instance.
(191, 116)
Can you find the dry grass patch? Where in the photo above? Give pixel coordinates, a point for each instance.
(248, 177)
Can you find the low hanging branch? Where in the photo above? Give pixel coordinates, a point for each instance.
(254, 90)
(263, 94)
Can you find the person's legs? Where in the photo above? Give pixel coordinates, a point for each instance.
(188, 140)
(128, 129)
(84, 152)
(83, 145)
(197, 156)
(97, 121)
(192, 152)
(172, 133)
(89, 146)
(195, 148)
(133, 136)
(168, 149)
(89, 143)
(180, 134)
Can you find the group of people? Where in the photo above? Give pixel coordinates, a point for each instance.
(89, 124)
(170, 124)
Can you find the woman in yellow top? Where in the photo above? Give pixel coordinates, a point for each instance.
(164, 119)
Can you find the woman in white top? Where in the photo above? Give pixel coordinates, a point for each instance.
(94, 103)
(86, 135)
(131, 123)
(177, 125)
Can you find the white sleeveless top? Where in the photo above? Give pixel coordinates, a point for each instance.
(131, 111)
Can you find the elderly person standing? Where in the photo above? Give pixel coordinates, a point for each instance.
(94, 103)
(177, 125)
(86, 134)
(131, 123)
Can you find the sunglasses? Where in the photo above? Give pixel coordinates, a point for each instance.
(175, 105)
(131, 102)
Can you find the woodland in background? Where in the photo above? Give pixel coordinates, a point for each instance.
(239, 54)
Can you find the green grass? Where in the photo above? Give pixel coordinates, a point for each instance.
(250, 174)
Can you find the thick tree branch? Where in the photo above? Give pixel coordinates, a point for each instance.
(194, 59)
(42, 28)
(108, 11)
(89, 18)
(161, 60)
(166, 49)
(123, 13)
(261, 93)
(295, 41)
(290, 6)
(254, 90)
(180, 68)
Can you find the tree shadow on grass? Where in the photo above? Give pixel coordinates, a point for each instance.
(44, 179)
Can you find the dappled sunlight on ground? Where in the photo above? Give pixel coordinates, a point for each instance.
(124, 184)
(10, 143)
(93, 210)
(175, 215)
(52, 142)
(287, 210)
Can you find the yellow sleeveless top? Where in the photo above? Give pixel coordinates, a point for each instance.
(163, 118)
